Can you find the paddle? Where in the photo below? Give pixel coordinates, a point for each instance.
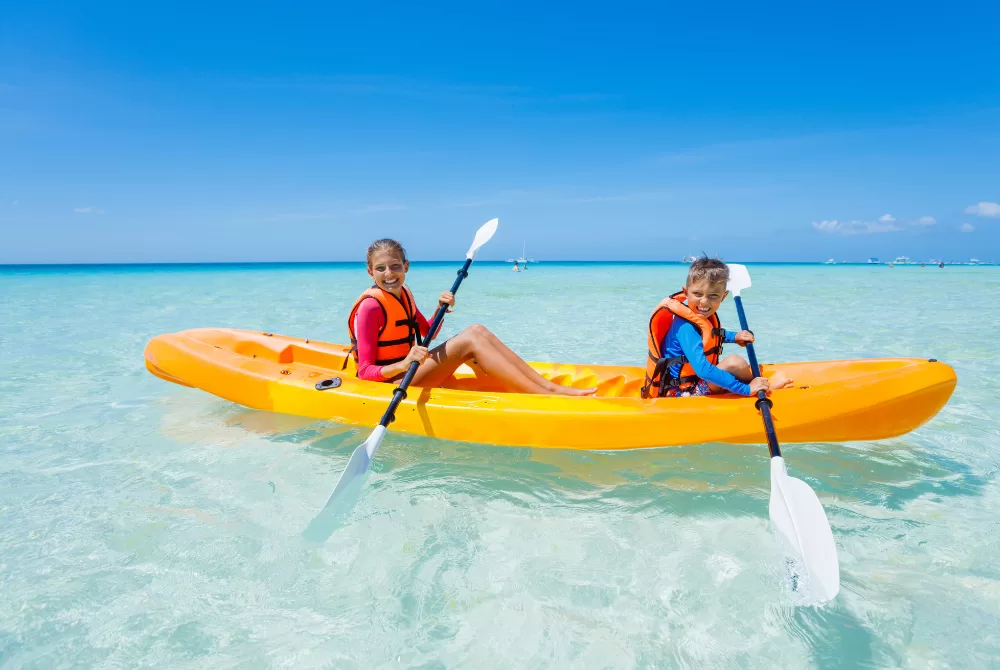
(347, 488)
(795, 509)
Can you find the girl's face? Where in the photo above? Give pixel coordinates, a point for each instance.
(389, 271)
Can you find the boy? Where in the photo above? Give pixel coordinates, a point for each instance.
(685, 342)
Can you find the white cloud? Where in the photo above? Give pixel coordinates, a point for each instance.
(984, 209)
(88, 210)
(887, 223)
(855, 227)
(967, 227)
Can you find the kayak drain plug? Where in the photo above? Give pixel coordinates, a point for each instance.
(327, 384)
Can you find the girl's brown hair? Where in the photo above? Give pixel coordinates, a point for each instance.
(385, 244)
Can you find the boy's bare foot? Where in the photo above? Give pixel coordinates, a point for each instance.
(779, 380)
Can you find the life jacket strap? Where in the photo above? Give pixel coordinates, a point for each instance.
(658, 376)
(347, 357)
(414, 327)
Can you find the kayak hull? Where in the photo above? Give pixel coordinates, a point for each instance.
(832, 401)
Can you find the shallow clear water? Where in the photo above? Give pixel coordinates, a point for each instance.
(150, 524)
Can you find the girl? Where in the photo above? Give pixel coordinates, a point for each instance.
(385, 320)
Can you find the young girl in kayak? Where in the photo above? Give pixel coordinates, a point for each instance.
(385, 320)
(685, 342)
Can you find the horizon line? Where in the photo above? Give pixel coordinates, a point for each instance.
(449, 261)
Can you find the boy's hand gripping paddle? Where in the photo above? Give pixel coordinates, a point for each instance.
(795, 510)
(346, 492)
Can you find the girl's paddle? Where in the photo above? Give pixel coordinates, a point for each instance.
(345, 493)
(795, 509)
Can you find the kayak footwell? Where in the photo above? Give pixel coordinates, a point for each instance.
(832, 401)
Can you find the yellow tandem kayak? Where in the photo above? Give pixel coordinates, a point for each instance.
(832, 401)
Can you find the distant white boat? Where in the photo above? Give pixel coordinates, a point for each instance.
(873, 260)
(523, 258)
(974, 261)
(830, 262)
(903, 260)
(688, 259)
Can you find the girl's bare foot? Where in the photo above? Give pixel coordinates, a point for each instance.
(569, 390)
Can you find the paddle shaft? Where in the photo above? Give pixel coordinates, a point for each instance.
(399, 394)
(763, 402)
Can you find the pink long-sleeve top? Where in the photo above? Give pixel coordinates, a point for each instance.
(368, 321)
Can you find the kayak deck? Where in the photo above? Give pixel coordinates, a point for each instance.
(831, 401)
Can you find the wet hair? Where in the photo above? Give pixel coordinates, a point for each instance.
(385, 244)
(712, 269)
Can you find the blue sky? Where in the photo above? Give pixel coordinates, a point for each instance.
(237, 132)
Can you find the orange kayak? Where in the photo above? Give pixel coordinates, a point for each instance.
(832, 401)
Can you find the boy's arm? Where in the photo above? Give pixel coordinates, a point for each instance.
(693, 348)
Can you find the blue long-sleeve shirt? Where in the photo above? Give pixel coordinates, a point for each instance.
(683, 338)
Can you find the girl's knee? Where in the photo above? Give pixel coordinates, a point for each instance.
(478, 331)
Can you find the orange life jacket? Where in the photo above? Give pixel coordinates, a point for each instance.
(658, 367)
(399, 325)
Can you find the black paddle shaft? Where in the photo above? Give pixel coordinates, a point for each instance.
(763, 402)
(399, 394)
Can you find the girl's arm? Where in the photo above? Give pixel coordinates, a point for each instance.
(367, 322)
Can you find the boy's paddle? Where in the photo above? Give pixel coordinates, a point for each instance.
(346, 491)
(795, 509)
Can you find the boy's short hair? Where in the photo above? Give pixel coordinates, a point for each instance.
(712, 269)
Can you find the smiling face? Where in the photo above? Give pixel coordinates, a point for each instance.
(704, 296)
(388, 270)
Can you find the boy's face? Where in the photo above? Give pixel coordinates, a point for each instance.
(705, 297)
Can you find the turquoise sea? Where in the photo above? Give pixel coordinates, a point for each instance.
(149, 525)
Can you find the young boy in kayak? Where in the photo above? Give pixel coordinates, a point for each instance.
(685, 342)
(385, 320)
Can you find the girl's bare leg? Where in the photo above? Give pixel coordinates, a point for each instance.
(444, 359)
(476, 342)
(529, 371)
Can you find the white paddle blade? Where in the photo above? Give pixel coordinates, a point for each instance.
(798, 517)
(347, 491)
(739, 278)
(483, 236)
